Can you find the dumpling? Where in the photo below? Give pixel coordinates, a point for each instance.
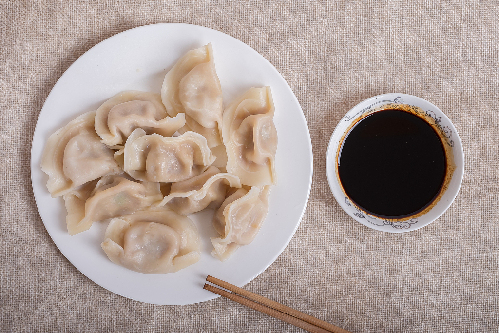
(74, 156)
(112, 196)
(192, 87)
(166, 159)
(152, 241)
(250, 137)
(239, 219)
(197, 193)
(120, 115)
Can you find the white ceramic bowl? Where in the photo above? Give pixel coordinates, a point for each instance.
(447, 130)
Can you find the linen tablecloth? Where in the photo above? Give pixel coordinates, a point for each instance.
(333, 54)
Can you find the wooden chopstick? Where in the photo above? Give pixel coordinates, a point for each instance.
(271, 312)
(269, 307)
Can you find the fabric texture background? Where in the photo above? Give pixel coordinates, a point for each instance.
(443, 277)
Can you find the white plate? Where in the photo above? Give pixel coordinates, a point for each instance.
(452, 139)
(139, 59)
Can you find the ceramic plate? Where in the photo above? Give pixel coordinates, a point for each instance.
(138, 59)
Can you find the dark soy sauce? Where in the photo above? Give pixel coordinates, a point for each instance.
(392, 164)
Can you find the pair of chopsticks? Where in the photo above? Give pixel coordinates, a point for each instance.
(271, 308)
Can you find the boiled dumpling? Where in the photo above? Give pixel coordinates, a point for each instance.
(197, 193)
(119, 116)
(239, 219)
(74, 156)
(250, 138)
(112, 196)
(152, 241)
(166, 159)
(192, 87)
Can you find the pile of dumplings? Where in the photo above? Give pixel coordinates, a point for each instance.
(144, 162)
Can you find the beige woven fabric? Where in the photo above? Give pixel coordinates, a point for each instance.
(443, 277)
